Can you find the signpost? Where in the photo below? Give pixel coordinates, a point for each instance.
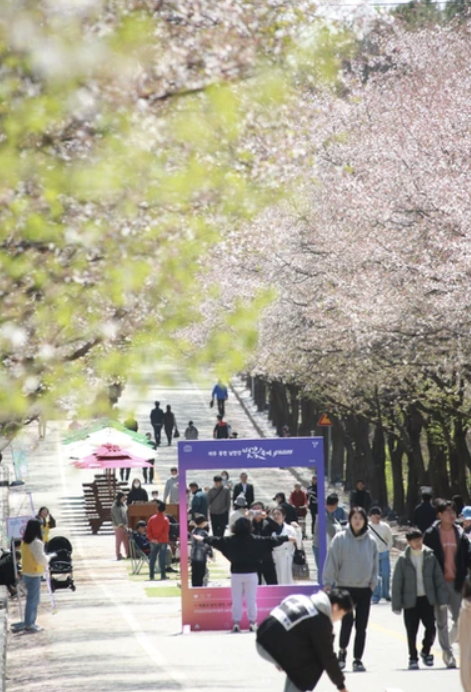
(324, 421)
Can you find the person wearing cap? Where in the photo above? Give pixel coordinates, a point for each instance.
(384, 541)
(219, 504)
(466, 517)
(245, 488)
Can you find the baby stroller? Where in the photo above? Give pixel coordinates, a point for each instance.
(60, 567)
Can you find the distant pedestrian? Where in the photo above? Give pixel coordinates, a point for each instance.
(226, 481)
(158, 529)
(170, 424)
(221, 429)
(245, 488)
(466, 519)
(361, 497)
(219, 504)
(171, 491)
(199, 551)
(221, 395)
(263, 525)
(451, 547)
(312, 501)
(244, 551)
(424, 514)
(332, 527)
(298, 638)
(464, 637)
(137, 493)
(119, 520)
(157, 421)
(199, 500)
(382, 534)
(191, 432)
(283, 555)
(148, 471)
(418, 586)
(352, 564)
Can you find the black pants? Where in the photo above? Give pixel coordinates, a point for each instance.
(422, 612)
(221, 406)
(168, 432)
(219, 523)
(313, 520)
(362, 600)
(198, 570)
(268, 572)
(124, 474)
(157, 433)
(149, 470)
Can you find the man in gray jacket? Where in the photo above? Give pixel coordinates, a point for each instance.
(171, 492)
(219, 505)
(418, 585)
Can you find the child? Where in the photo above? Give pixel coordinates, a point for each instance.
(464, 637)
(140, 537)
(199, 551)
(418, 585)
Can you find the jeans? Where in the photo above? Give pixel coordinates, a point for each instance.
(441, 616)
(384, 576)
(33, 593)
(315, 551)
(158, 549)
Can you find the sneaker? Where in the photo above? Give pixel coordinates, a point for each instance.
(253, 627)
(236, 627)
(342, 658)
(449, 659)
(32, 629)
(453, 635)
(17, 627)
(427, 658)
(358, 667)
(413, 664)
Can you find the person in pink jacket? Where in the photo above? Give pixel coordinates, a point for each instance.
(464, 637)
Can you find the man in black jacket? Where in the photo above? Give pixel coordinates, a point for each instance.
(243, 488)
(452, 550)
(361, 497)
(298, 637)
(424, 514)
(312, 499)
(263, 525)
(157, 421)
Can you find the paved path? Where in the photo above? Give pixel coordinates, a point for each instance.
(117, 632)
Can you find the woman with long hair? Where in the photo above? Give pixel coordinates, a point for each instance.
(283, 555)
(34, 561)
(119, 519)
(352, 564)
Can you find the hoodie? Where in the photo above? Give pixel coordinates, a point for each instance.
(298, 635)
(352, 561)
(464, 638)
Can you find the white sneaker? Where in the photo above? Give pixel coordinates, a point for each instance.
(236, 627)
(253, 627)
(453, 635)
(449, 660)
(32, 629)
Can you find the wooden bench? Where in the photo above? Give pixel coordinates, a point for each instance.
(99, 497)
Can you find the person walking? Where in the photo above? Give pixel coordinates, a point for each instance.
(148, 471)
(221, 395)
(451, 547)
(464, 637)
(332, 526)
(158, 528)
(312, 502)
(171, 490)
(221, 429)
(170, 424)
(191, 432)
(244, 551)
(219, 505)
(33, 561)
(361, 497)
(298, 638)
(352, 564)
(418, 585)
(424, 514)
(157, 421)
(119, 520)
(384, 542)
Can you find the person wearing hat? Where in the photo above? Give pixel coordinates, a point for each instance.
(241, 509)
(384, 541)
(466, 517)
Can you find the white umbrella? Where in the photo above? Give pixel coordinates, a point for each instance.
(81, 448)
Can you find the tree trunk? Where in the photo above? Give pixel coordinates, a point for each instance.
(438, 465)
(412, 484)
(379, 489)
(396, 452)
(294, 417)
(362, 467)
(338, 452)
(463, 458)
(279, 410)
(414, 426)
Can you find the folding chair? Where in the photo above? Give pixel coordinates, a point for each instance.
(138, 558)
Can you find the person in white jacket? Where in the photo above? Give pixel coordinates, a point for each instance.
(283, 555)
(464, 637)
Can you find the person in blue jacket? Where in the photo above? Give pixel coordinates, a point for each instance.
(221, 395)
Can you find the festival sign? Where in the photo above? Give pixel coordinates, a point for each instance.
(209, 608)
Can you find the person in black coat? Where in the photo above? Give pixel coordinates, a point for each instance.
(361, 497)
(312, 501)
(157, 421)
(298, 636)
(243, 488)
(137, 493)
(424, 515)
(290, 511)
(263, 525)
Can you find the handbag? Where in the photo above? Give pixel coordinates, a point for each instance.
(300, 567)
(176, 433)
(211, 403)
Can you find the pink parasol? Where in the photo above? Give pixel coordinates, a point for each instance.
(110, 456)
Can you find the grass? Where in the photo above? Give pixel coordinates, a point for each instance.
(162, 592)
